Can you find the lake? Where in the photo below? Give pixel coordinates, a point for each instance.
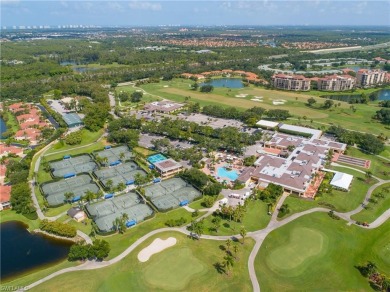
(382, 94)
(22, 251)
(3, 128)
(226, 82)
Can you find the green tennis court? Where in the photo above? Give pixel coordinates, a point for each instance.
(78, 164)
(104, 213)
(171, 193)
(113, 154)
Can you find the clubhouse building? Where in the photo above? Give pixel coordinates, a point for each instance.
(295, 163)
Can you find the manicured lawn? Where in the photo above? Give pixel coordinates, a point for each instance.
(144, 151)
(197, 204)
(386, 152)
(12, 122)
(10, 215)
(36, 275)
(343, 201)
(375, 209)
(119, 242)
(317, 253)
(87, 149)
(255, 218)
(187, 266)
(379, 167)
(295, 102)
(88, 137)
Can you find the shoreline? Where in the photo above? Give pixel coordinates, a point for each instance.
(75, 239)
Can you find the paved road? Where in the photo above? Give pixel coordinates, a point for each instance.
(112, 104)
(258, 236)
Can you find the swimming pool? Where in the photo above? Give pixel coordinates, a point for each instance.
(156, 158)
(230, 174)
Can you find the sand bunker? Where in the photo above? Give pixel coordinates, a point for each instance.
(279, 101)
(156, 246)
(242, 95)
(256, 99)
(165, 86)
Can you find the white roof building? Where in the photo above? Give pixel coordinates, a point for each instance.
(341, 180)
(315, 133)
(267, 124)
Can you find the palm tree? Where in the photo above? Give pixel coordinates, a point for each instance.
(125, 217)
(217, 223)
(69, 196)
(228, 263)
(122, 156)
(368, 174)
(109, 184)
(243, 234)
(235, 249)
(99, 160)
(228, 244)
(105, 160)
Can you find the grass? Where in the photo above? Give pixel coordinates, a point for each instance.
(167, 271)
(178, 90)
(386, 152)
(379, 167)
(120, 242)
(329, 268)
(12, 122)
(375, 209)
(88, 137)
(143, 151)
(343, 201)
(84, 149)
(286, 259)
(255, 218)
(10, 215)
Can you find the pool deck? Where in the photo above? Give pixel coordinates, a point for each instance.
(212, 168)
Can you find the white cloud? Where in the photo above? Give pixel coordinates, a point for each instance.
(138, 5)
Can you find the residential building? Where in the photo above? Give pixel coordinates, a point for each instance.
(336, 83)
(291, 82)
(5, 150)
(5, 197)
(367, 78)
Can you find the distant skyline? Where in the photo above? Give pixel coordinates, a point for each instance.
(153, 13)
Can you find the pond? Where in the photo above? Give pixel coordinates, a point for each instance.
(3, 128)
(382, 94)
(226, 82)
(22, 251)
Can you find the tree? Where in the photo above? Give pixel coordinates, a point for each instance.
(368, 174)
(311, 101)
(109, 184)
(235, 249)
(69, 196)
(197, 227)
(371, 144)
(328, 103)
(228, 263)
(217, 223)
(195, 86)
(228, 244)
(136, 96)
(206, 88)
(122, 156)
(243, 234)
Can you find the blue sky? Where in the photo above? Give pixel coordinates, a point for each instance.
(134, 13)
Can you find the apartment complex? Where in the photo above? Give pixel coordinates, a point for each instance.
(336, 83)
(291, 82)
(366, 77)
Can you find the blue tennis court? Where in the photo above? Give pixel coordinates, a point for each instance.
(156, 158)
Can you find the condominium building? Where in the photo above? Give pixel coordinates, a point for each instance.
(366, 77)
(291, 82)
(336, 83)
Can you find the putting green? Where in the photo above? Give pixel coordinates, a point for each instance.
(172, 269)
(304, 246)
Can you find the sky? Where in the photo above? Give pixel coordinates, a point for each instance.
(184, 12)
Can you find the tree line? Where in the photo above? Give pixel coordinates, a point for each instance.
(58, 228)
